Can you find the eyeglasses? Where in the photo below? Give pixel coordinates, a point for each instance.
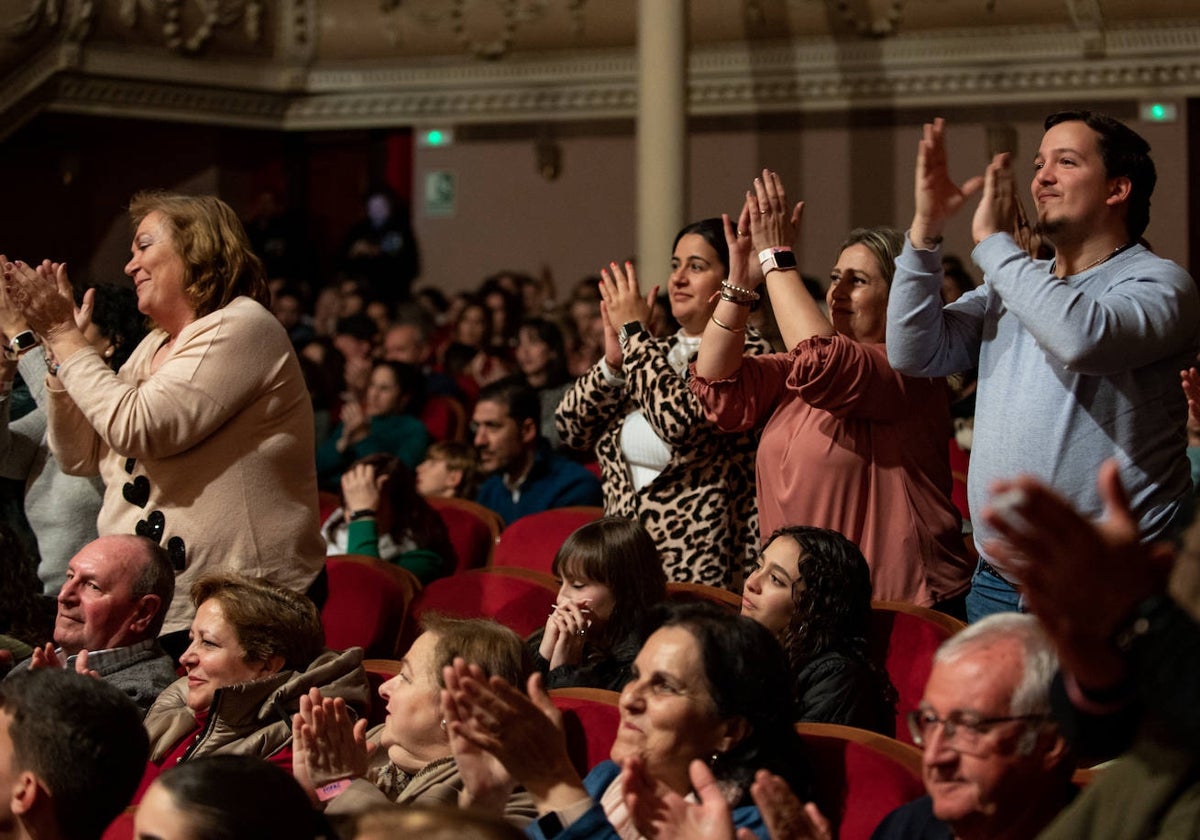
(969, 728)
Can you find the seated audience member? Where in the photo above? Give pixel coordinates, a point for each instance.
(26, 616)
(706, 685)
(110, 611)
(72, 750)
(610, 576)
(255, 650)
(409, 758)
(995, 763)
(1124, 617)
(542, 359)
(354, 337)
(287, 305)
(410, 340)
(449, 470)
(61, 508)
(227, 797)
(383, 516)
(584, 327)
(431, 822)
(812, 589)
(525, 476)
(505, 307)
(472, 355)
(382, 423)
(324, 377)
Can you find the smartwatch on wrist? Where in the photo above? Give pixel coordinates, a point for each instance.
(21, 342)
(776, 259)
(629, 330)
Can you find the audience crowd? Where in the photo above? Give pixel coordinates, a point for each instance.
(189, 466)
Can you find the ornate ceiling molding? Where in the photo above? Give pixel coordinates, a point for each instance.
(977, 67)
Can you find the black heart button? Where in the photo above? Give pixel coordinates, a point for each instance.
(177, 552)
(137, 492)
(152, 526)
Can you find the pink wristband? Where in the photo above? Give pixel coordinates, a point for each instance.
(329, 791)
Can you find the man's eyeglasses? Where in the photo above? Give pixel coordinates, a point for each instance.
(967, 728)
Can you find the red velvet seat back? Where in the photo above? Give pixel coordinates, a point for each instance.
(904, 638)
(517, 598)
(532, 541)
(445, 418)
(368, 601)
(590, 721)
(472, 528)
(860, 776)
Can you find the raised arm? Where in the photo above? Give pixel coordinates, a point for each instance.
(724, 338)
(920, 340)
(597, 399)
(937, 197)
(773, 224)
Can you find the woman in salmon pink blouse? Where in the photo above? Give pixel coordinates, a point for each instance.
(848, 443)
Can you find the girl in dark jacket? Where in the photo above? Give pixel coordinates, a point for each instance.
(812, 589)
(611, 575)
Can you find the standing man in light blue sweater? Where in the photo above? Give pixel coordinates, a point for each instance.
(1079, 357)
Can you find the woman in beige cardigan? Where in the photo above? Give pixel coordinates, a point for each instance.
(204, 438)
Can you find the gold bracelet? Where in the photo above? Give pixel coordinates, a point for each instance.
(725, 326)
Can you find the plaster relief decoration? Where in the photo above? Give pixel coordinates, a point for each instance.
(485, 29)
(866, 18)
(75, 15)
(180, 15)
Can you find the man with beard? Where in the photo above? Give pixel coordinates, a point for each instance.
(1079, 356)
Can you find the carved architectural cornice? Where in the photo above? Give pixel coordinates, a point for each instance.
(978, 66)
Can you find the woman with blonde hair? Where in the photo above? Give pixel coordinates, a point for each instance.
(204, 438)
(409, 758)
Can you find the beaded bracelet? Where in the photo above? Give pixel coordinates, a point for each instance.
(51, 365)
(746, 295)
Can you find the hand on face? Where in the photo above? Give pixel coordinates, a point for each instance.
(361, 489)
(566, 633)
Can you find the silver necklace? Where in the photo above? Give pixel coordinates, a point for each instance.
(1104, 258)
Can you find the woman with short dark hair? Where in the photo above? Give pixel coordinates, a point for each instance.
(706, 686)
(255, 650)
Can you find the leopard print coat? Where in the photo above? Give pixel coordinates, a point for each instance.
(700, 510)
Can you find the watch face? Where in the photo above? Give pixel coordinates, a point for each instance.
(24, 340)
(785, 259)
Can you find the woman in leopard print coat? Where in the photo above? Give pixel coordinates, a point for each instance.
(663, 463)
